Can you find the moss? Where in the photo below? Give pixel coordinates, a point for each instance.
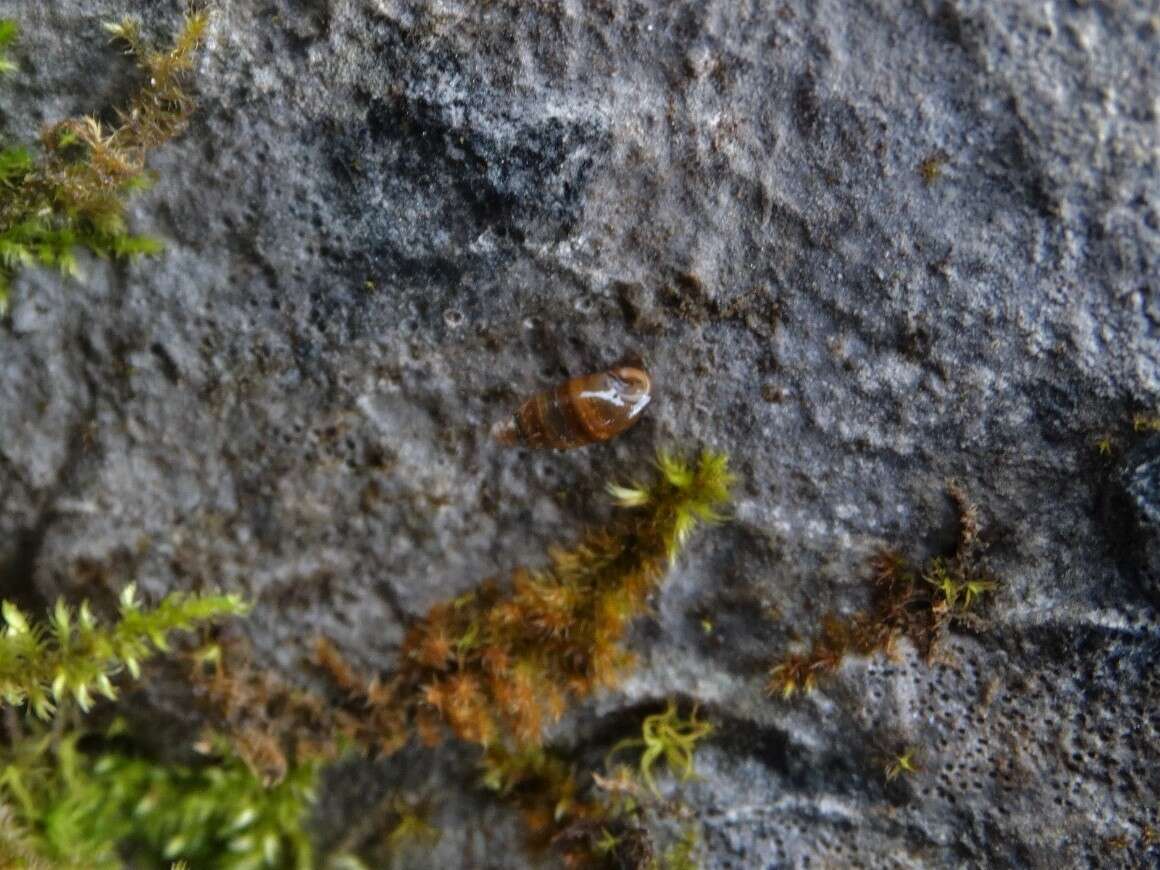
(931, 168)
(270, 724)
(904, 763)
(1124, 433)
(605, 819)
(667, 737)
(1146, 423)
(70, 654)
(504, 663)
(496, 665)
(71, 799)
(499, 664)
(17, 848)
(73, 194)
(543, 786)
(918, 604)
(80, 809)
(8, 33)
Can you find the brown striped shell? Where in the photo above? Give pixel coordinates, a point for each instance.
(580, 411)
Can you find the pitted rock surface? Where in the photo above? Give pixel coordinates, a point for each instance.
(864, 248)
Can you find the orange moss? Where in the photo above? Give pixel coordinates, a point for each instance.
(368, 715)
(918, 605)
(271, 724)
(505, 663)
(495, 667)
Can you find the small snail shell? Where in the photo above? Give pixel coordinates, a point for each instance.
(580, 411)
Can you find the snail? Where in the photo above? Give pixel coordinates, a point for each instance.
(581, 411)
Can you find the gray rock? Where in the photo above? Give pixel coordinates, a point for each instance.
(392, 220)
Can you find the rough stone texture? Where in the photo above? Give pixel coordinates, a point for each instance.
(392, 220)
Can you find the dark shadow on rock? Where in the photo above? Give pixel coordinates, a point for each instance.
(1131, 517)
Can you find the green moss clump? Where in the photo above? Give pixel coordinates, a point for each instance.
(69, 808)
(64, 804)
(8, 33)
(73, 195)
(72, 655)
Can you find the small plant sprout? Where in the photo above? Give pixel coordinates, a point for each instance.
(667, 737)
(794, 674)
(931, 168)
(412, 828)
(955, 591)
(604, 819)
(686, 495)
(1146, 423)
(972, 589)
(608, 843)
(902, 764)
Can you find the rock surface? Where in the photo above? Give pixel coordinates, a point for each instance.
(864, 248)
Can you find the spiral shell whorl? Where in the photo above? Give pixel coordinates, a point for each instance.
(583, 410)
